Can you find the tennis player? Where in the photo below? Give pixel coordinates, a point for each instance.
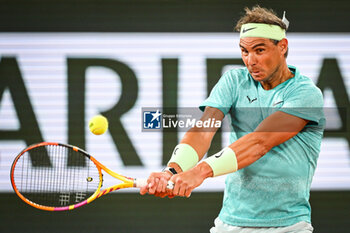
(277, 126)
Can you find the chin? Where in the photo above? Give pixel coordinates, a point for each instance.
(259, 77)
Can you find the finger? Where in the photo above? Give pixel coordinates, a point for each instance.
(188, 192)
(150, 182)
(160, 186)
(162, 195)
(182, 190)
(176, 188)
(143, 190)
(153, 188)
(164, 185)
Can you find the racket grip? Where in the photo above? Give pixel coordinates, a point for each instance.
(140, 182)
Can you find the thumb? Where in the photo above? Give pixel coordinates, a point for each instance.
(143, 190)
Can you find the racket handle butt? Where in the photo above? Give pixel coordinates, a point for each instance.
(140, 182)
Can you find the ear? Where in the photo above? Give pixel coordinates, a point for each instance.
(283, 46)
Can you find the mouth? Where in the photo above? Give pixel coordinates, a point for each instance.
(255, 72)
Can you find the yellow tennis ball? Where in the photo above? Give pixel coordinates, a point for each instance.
(98, 124)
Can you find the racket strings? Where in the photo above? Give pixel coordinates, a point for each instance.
(70, 178)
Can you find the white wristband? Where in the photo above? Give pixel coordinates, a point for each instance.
(185, 156)
(223, 162)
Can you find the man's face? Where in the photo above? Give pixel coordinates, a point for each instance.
(262, 57)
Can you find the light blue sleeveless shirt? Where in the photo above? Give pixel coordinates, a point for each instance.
(273, 191)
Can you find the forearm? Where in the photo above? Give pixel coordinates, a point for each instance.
(203, 170)
(199, 141)
(196, 142)
(250, 148)
(244, 151)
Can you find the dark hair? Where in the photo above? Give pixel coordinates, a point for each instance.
(261, 15)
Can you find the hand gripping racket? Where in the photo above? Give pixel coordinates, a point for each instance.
(56, 177)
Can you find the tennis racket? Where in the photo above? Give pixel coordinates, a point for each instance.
(57, 177)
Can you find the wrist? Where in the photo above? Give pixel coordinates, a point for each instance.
(223, 162)
(204, 170)
(168, 173)
(170, 170)
(176, 167)
(184, 156)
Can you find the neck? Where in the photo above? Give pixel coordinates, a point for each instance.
(280, 75)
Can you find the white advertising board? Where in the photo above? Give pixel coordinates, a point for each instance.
(42, 61)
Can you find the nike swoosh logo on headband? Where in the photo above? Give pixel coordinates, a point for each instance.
(247, 29)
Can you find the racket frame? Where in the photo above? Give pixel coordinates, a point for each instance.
(127, 181)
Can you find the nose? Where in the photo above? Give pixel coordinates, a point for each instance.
(251, 59)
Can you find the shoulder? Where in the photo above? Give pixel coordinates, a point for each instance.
(302, 87)
(306, 85)
(301, 83)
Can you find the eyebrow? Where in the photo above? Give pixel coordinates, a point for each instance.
(257, 45)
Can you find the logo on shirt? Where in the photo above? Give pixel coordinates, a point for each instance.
(152, 119)
(251, 101)
(278, 102)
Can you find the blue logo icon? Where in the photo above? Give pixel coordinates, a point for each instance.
(152, 119)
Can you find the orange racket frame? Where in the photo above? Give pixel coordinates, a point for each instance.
(127, 181)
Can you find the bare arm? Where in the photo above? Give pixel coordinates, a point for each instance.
(200, 138)
(272, 131)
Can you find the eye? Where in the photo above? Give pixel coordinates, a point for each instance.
(260, 50)
(244, 52)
